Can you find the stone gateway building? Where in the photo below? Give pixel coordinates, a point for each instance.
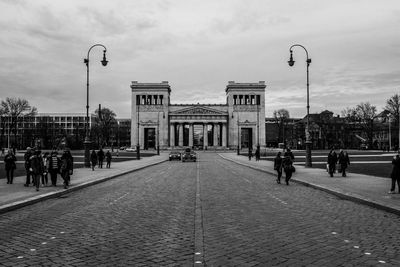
(157, 122)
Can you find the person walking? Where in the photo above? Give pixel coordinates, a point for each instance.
(289, 153)
(288, 167)
(257, 154)
(67, 167)
(278, 166)
(53, 167)
(395, 175)
(332, 160)
(45, 178)
(100, 157)
(93, 159)
(10, 166)
(108, 159)
(344, 162)
(36, 168)
(28, 154)
(250, 153)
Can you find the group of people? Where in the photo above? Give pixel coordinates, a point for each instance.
(342, 160)
(284, 164)
(98, 158)
(38, 166)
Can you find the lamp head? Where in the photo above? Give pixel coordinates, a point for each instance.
(104, 61)
(291, 61)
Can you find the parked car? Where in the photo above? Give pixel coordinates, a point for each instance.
(189, 154)
(122, 148)
(175, 155)
(130, 149)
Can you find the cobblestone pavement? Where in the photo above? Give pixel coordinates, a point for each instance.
(150, 218)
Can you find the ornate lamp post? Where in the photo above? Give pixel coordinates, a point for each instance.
(87, 141)
(138, 131)
(308, 141)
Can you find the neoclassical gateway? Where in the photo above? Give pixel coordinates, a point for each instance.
(157, 122)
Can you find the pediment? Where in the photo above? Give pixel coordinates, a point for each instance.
(198, 111)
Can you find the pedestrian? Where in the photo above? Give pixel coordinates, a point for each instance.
(27, 156)
(288, 167)
(36, 168)
(108, 159)
(54, 167)
(278, 166)
(10, 166)
(257, 154)
(332, 160)
(100, 157)
(67, 167)
(2, 151)
(93, 159)
(395, 175)
(344, 162)
(46, 161)
(250, 153)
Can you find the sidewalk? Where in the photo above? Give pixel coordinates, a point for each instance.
(15, 196)
(364, 189)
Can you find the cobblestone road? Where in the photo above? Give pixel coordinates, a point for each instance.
(149, 218)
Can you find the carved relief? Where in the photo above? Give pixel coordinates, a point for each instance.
(199, 111)
(246, 108)
(148, 123)
(151, 108)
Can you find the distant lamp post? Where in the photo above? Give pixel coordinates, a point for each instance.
(138, 131)
(308, 141)
(87, 141)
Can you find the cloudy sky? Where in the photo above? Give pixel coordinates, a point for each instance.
(198, 46)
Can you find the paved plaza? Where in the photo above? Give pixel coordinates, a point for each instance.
(220, 211)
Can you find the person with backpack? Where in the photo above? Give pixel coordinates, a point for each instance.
(67, 167)
(36, 168)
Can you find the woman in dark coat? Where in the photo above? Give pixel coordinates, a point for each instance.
(344, 162)
(332, 160)
(10, 166)
(395, 175)
(93, 159)
(278, 166)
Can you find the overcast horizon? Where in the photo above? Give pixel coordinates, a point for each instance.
(198, 46)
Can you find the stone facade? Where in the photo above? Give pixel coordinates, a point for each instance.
(156, 122)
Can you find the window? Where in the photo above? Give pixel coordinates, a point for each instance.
(240, 100)
(258, 100)
(155, 100)
(161, 99)
(143, 100)
(252, 100)
(137, 99)
(246, 100)
(235, 99)
(148, 100)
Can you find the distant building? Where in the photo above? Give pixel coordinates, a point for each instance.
(238, 122)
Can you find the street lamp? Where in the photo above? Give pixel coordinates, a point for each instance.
(87, 141)
(138, 124)
(158, 131)
(308, 141)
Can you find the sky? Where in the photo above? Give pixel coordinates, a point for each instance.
(198, 46)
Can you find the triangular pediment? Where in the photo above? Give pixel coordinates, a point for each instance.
(198, 111)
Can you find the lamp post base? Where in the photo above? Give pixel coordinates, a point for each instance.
(238, 150)
(308, 155)
(158, 150)
(87, 145)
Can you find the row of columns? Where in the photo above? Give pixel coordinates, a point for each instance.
(205, 134)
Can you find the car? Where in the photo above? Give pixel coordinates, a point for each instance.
(175, 155)
(122, 148)
(189, 154)
(130, 149)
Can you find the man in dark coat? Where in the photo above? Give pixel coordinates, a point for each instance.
(344, 161)
(93, 159)
(10, 166)
(54, 167)
(36, 168)
(332, 160)
(67, 167)
(395, 175)
(278, 166)
(100, 157)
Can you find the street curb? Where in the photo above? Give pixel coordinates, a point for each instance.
(26, 202)
(342, 195)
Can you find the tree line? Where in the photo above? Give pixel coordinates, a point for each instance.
(16, 110)
(365, 114)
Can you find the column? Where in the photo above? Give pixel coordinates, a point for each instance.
(205, 136)
(224, 134)
(180, 134)
(190, 134)
(215, 134)
(172, 135)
